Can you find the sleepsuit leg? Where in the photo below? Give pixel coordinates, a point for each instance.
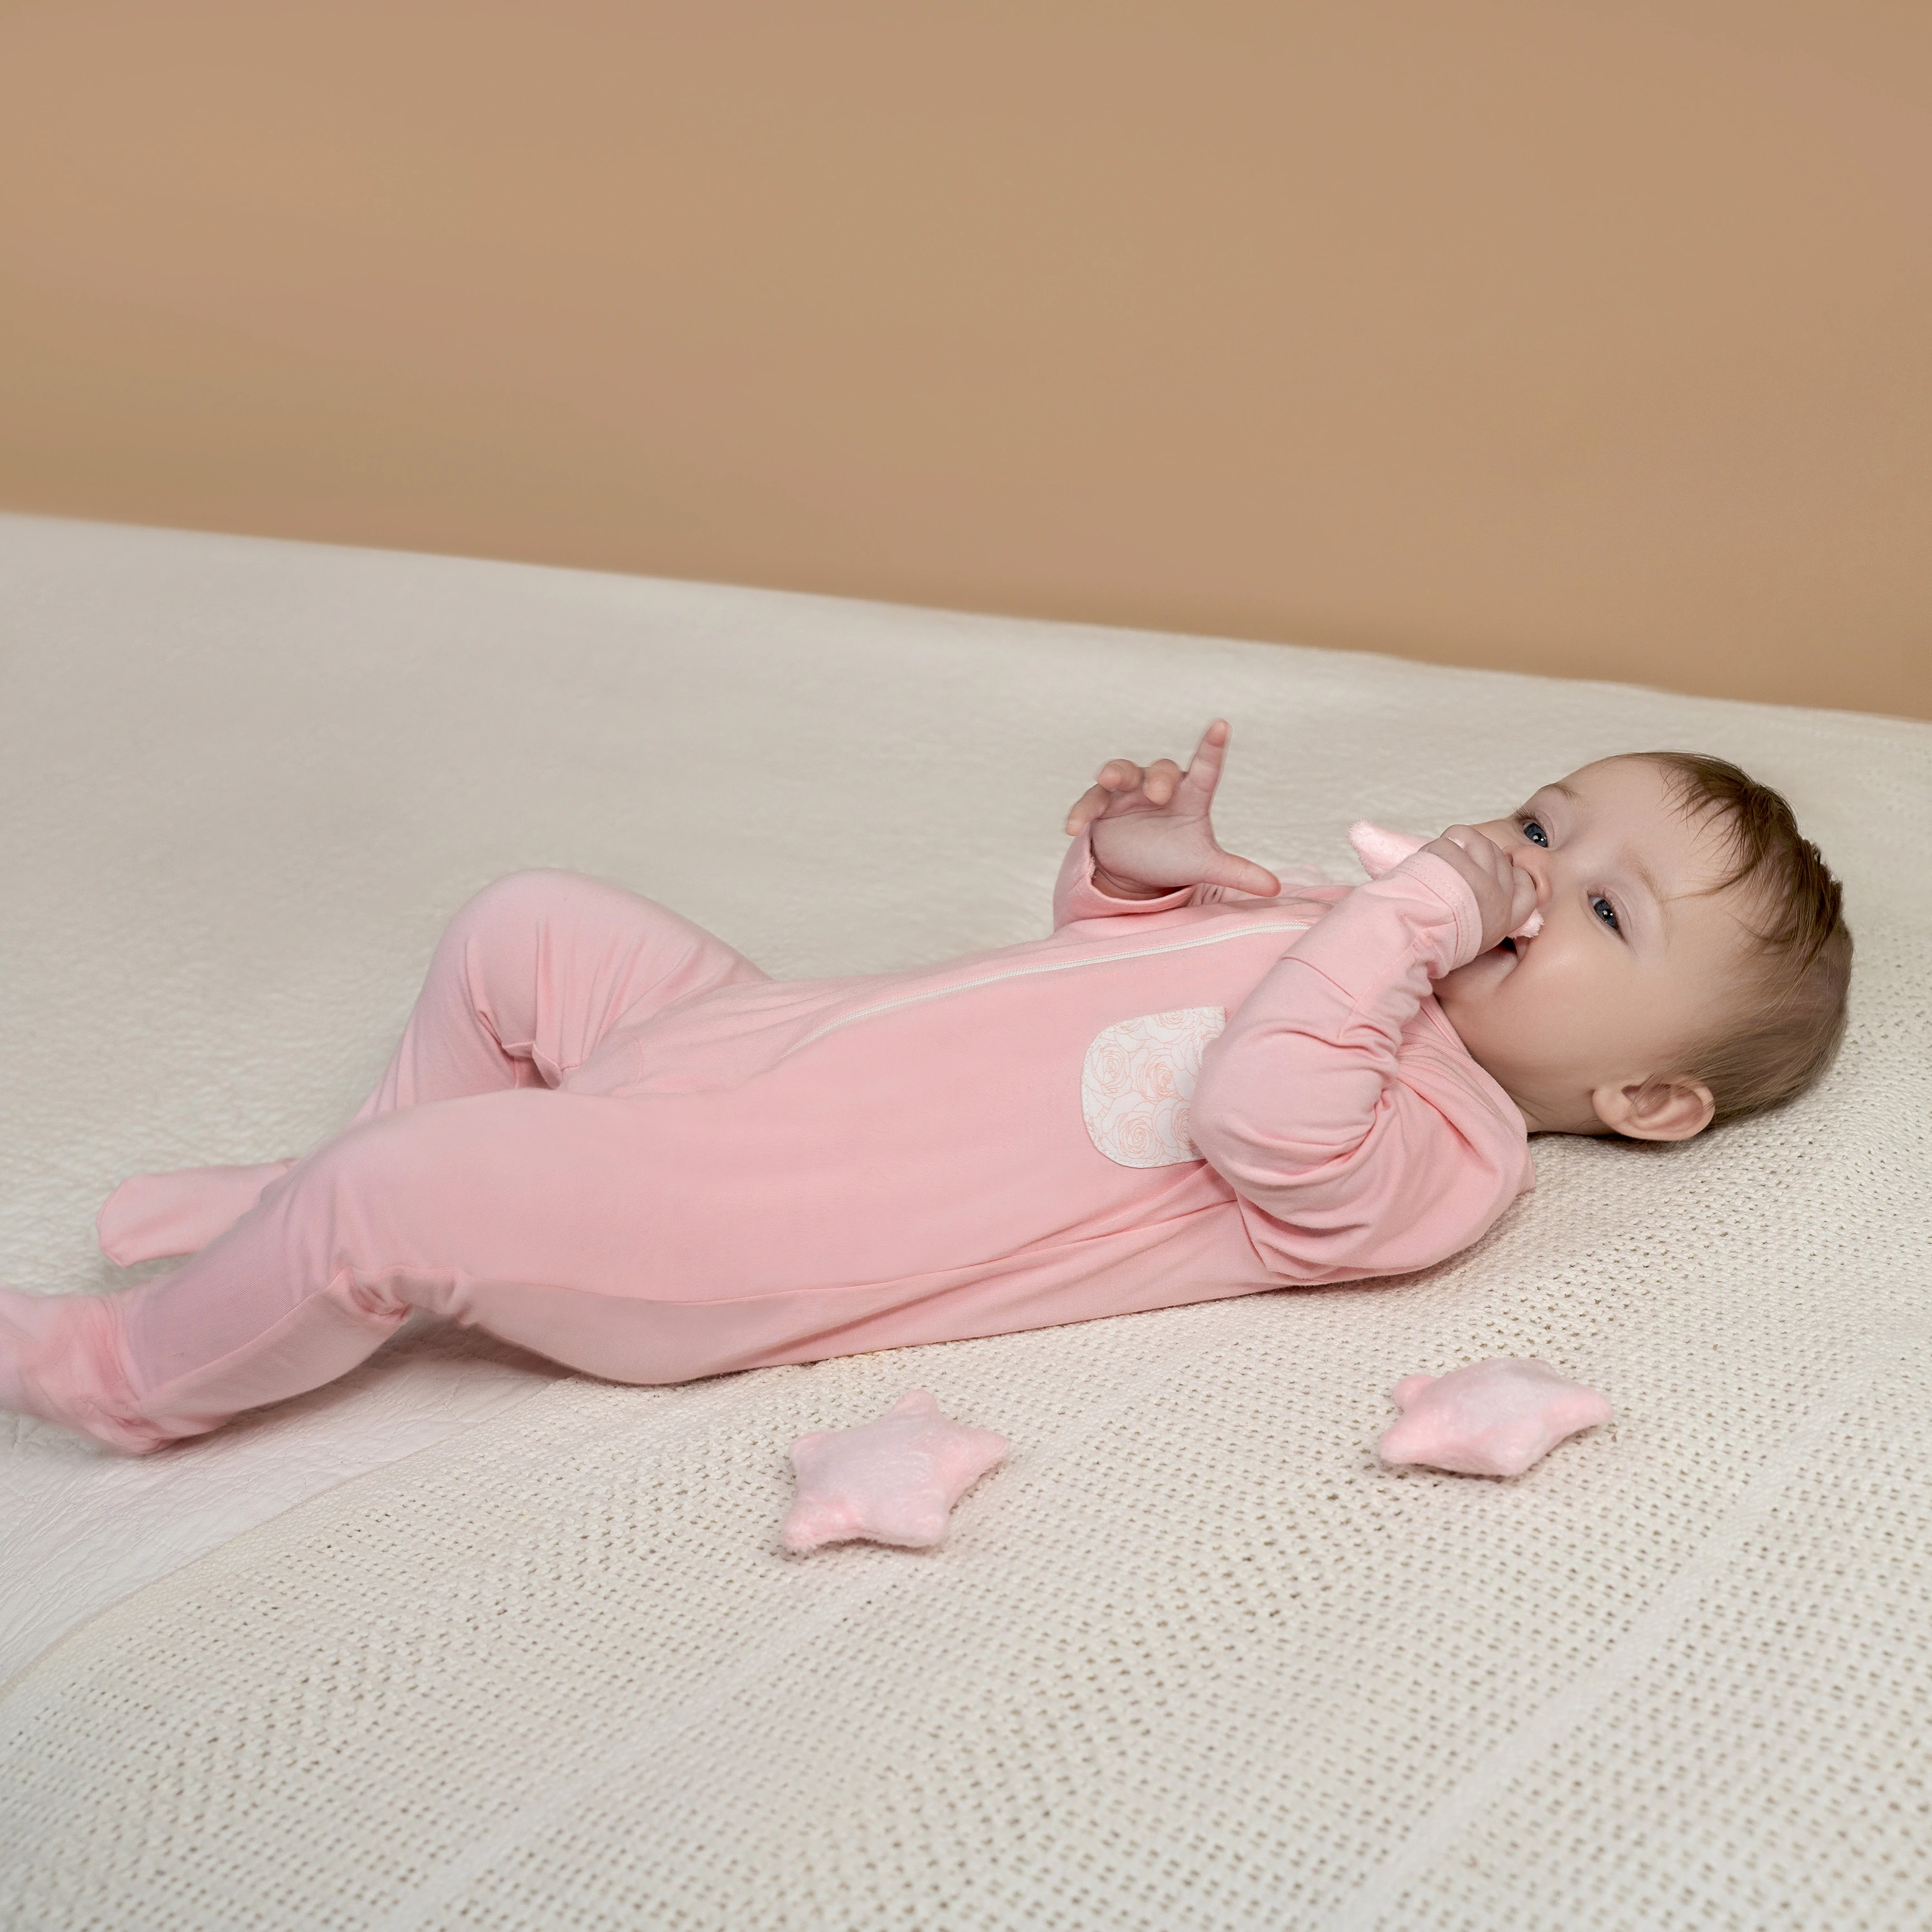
(527, 979)
(448, 1177)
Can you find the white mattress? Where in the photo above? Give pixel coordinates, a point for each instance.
(462, 1641)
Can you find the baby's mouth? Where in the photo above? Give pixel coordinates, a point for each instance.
(1513, 949)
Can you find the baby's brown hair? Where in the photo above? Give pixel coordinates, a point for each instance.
(1797, 972)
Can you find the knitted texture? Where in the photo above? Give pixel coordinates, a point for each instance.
(1192, 1657)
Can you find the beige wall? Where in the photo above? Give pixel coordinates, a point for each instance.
(1587, 338)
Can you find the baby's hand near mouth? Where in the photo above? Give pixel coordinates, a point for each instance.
(1151, 831)
(1505, 893)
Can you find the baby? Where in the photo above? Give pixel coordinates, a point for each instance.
(607, 1137)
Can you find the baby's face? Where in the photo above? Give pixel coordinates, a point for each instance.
(1633, 967)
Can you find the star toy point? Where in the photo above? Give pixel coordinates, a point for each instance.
(894, 1481)
(1495, 1418)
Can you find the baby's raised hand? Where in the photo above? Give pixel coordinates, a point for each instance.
(1151, 829)
(1505, 894)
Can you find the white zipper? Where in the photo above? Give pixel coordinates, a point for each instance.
(1046, 966)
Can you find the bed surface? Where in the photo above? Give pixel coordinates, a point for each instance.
(462, 1641)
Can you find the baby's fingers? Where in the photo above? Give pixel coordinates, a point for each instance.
(1160, 780)
(1121, 779)
(1525, 901)
(1157, 780)
(1087, 807)
(1480, 846)
(1204, 769)
(1115, 776)
(1098, 800)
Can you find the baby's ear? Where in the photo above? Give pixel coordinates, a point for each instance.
(1656, 1109)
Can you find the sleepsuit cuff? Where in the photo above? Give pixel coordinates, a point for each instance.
(1075, 896)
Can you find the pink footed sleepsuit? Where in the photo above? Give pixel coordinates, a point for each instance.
(608, 1137)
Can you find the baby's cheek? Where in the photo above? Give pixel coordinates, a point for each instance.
(1497, 1015)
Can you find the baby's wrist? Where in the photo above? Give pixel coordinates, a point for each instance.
(1113, 887)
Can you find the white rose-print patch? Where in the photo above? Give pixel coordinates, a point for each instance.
(1137, 1083)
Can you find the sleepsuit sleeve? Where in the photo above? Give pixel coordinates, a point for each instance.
(1346, 1161)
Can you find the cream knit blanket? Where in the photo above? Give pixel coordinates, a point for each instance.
(1192, 1658)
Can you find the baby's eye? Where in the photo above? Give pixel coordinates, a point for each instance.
(1534, 832)
(1605, 911)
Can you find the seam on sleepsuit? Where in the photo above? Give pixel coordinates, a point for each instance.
(1047, 966)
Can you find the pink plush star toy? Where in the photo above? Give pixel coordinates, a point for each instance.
(893, 1481)
(1491, 1419)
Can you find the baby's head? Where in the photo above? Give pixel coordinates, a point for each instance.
(1693, 960)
